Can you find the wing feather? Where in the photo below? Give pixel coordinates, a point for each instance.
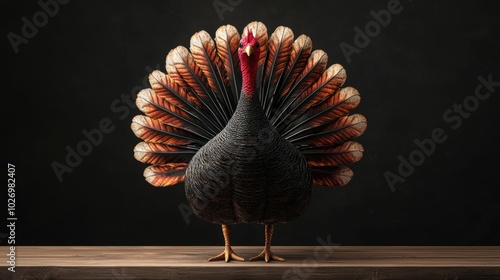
(346, 153)
(227, 39)
(204, 53)
(334, 133)
(166, 175)
(155, 153)
(329, 82)
(301, 50)
(154, 131)
(279, 49)
(334, 106)
(331, 176)
(166, 87)
(316, 65)
(183, 69)
(158, 108)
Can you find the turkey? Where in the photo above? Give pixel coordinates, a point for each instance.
(249, 124)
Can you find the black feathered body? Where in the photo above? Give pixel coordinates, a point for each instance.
(248, 173)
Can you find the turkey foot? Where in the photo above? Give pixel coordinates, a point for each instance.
(267, 254)
(228, 253)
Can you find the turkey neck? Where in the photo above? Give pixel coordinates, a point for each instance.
(249, 77)
(249, 115)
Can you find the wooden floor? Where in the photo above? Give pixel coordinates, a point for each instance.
(312, 262)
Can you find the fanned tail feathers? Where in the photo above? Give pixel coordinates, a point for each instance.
(303, 98)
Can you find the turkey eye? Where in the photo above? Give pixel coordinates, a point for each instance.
(257, 44)
(241, 45)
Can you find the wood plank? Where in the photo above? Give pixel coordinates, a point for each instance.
(302, 262)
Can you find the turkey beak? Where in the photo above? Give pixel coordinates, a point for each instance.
(248, 50)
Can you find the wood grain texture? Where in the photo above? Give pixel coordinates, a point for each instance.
(175, 262)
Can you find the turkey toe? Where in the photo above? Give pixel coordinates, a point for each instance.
(266, 255)
(227, 255)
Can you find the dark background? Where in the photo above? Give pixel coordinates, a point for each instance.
(428, 58)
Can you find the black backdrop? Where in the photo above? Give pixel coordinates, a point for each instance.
(84, 62)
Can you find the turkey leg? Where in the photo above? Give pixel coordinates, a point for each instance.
(228, 253)
(267, 254)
